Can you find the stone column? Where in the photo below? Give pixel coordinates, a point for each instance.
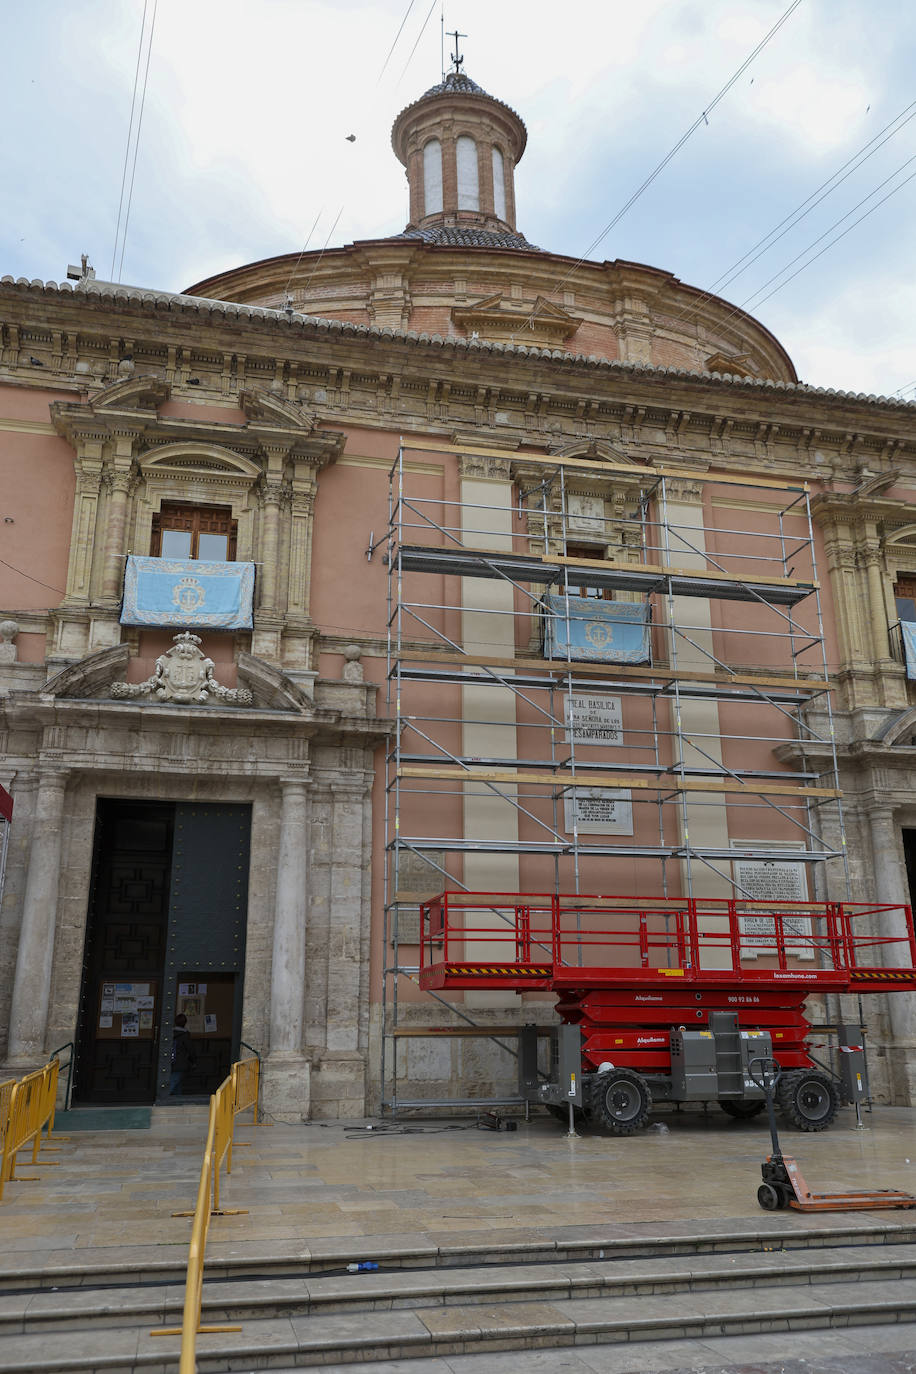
(269, 546)
(287, 984)
(34, 959)
(114, 536)
(877, 610)
(891, 887)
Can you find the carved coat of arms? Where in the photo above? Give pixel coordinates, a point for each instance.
(184, 675)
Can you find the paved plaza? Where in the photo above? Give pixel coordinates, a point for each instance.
(343, 1193)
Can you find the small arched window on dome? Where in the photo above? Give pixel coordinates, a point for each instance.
(468, 186)
(432, 177)
(499, 185)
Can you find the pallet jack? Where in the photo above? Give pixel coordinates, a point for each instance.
(783, 1182)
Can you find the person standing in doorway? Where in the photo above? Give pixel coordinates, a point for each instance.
(183, 1057)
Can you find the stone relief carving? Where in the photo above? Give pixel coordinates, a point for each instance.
(183, 675)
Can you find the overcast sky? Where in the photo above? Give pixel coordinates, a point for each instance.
(249, 104)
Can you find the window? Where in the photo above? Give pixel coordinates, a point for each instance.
(905, 597)
(432, 177)
(468, 188)
(204, 532)
(499, 185)
(587, 551)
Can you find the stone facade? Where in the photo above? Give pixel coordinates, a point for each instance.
(114, 401)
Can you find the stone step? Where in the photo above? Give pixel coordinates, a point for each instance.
(448, 1330)
(71, 1309)
(166, 1264)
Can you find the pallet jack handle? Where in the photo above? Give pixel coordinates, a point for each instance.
(767, 1079)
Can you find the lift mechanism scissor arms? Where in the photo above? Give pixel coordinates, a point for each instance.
(632, 577)
(563, 667)
(622, 780)
(600, 465)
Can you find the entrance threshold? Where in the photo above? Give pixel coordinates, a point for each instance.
(104, 1119)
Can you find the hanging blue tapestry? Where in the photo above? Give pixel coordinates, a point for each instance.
(908, 631)
(187, 593)
(598, 631)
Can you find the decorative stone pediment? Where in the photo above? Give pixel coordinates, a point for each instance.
(733, 364)
(265, 407)
(492, 318)
(183, 675)
(146, 392)
(189, 459)
(91, 676)
(270, 686)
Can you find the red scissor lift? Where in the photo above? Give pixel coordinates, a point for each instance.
(672, 999)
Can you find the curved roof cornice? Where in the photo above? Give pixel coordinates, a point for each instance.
(169, 302)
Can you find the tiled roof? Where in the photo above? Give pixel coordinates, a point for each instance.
(457, 237)
(456, 83)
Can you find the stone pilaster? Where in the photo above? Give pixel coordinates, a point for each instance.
(891, 887)
(287, 1068)
(35, 955)
(346, 917)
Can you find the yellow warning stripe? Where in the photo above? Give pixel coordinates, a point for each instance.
(528, 970)
(883, 975)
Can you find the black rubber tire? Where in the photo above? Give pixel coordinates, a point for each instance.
(742, 1111)
(621, 1101)
(768, 1197)
(808, 1098)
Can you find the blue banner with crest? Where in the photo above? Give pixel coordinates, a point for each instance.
(187, 593)
(598, 631)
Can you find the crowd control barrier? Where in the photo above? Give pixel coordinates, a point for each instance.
(235, 1094)
(29, 1111)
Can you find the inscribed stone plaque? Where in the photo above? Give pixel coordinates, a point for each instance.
(592, 719)
(768, 880)
(598, 811)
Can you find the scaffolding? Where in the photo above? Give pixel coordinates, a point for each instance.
(644, 662)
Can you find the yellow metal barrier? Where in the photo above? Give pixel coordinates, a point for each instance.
(220, 1128)
(247, 1076)
(31, 1109)
(6, 1094)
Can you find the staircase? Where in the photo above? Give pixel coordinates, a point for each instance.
(449, 1301)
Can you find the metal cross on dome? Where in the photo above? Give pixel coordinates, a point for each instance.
(457, 57)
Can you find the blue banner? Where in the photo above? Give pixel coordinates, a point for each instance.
(908, 632)
(187, 593)
(599, 631)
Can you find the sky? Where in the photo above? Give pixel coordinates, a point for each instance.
(244, 152)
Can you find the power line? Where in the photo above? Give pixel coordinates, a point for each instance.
(31, 578)
(130, 129)
(133, 171)
(835, 240)
(702, 118)
(802, 210)
(302, 254)
(420, 35)
(395, 43)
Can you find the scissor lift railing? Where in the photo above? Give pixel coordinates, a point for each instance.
(558, 941)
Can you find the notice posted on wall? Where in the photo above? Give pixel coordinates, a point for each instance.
(592, 719)
(105, 1020)
(130, 1025)
(598, 811)
(770, 880)
(210, 1024)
